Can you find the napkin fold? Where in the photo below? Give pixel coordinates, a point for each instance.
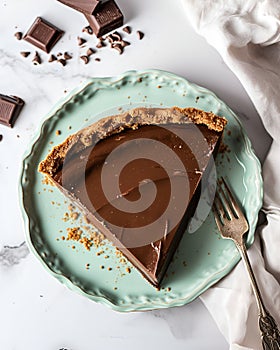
(247, 36)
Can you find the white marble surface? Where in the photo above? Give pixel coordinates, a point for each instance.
(37, 312)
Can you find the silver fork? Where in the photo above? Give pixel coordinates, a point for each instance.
(233, 225)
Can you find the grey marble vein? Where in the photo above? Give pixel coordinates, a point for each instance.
(10, 256)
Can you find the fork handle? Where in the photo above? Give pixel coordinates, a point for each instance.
(270, 334)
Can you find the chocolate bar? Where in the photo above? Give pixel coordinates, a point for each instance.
(43, 34)
(106, 18)
(10, 108)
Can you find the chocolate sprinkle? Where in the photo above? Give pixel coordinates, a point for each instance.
(97, 59)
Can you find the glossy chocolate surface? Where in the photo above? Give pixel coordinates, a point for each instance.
(140, 187)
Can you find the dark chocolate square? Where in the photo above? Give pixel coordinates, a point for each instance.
(43, 34)
(10, 107)
(107, 17)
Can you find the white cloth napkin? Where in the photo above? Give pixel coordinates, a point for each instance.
(247, 35)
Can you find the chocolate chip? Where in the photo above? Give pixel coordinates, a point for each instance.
(110, 38)
(88, 30)
(100, 44)
(81, 41)
(67, 56)
(140, 35)
(18, 35)
(25, 54)
(62, 61)
(85, 59)
(127, 29)
(124, 43)
(90, 52)
(116, 36)
(52, 58)
(1, 138)
(118, 47)
(37, 59)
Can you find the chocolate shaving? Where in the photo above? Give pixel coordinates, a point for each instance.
(37, 59)
(59, 54)
(157, 249)
(127, 29)
(18, 35)
(25, 53)
(85, 59)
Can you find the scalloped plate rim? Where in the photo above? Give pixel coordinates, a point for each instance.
(213, 279)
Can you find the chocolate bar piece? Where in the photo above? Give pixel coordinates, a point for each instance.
(10, 107)
(43, 34)
(84, 6)
(137, 177)
(105, 18)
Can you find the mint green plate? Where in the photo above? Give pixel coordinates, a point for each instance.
(202, 259)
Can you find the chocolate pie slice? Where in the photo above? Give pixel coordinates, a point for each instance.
(137, 176)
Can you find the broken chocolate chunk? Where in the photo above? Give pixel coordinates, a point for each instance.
(105, 18)
(84, 6)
